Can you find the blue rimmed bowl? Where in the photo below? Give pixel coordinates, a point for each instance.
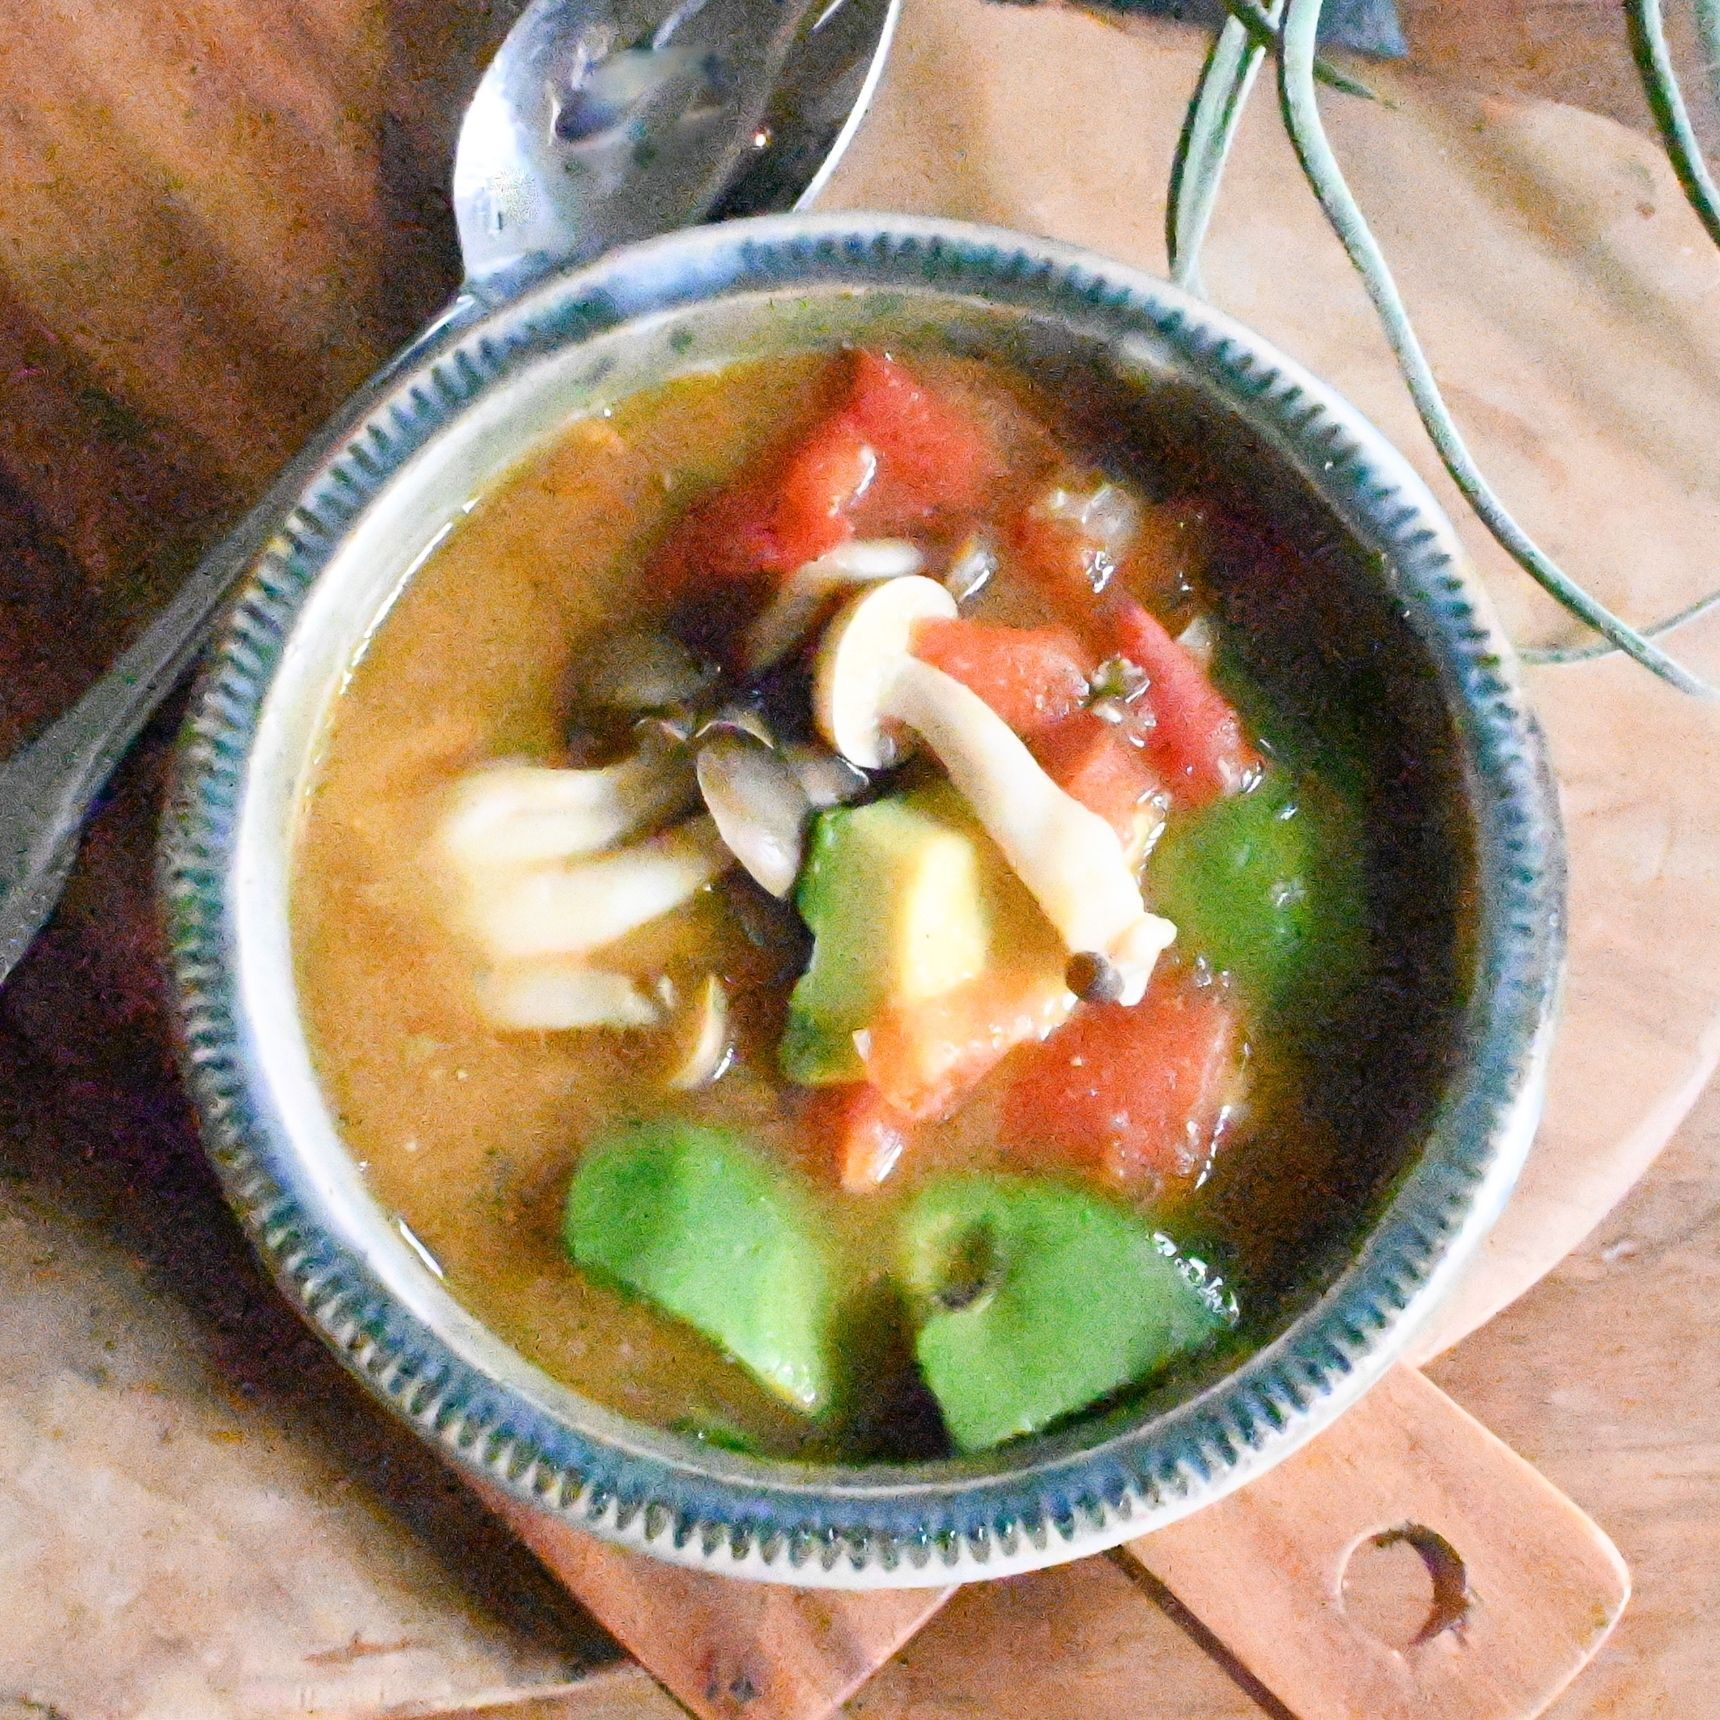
(392, 479)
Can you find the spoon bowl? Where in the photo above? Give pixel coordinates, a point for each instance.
(596, 123)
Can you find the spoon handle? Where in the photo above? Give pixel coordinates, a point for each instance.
(48, 786)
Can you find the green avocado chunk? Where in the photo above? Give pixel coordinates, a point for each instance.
(695, 1221)
(1266, 885)
(895, 893)
(1035, 1299)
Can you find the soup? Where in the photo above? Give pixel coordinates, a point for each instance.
(862, 905)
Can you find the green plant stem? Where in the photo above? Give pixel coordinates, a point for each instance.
(1561, 654)
(1666, 102)
(1302, 119)
(1262, 25)
(1208, 130)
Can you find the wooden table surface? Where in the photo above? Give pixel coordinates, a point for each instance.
(1607, 1375)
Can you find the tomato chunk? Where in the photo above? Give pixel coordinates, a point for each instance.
(1137, 1094)
(887, 454)
(1074, 538)
(1100, 765)
(866, 1134)
(932, 453)
(1197, 739)
(790, 512)
(820, 482)
(925, 1057)
(1033, 677)
(1067, 566)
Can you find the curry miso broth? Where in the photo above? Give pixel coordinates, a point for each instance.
(860, 906)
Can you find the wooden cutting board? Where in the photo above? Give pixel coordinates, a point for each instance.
(219, 214)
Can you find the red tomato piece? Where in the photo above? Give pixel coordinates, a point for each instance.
(819, 483)
(889, 443)
(1137, 1094)
(926, 1057)
(932, 453)
(866, 1134)
(1100, 765)
(1070, 568)
(791, 512)
(1197, 739)
(1033, 677)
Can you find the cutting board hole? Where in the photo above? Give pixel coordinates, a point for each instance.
(1405, 1586)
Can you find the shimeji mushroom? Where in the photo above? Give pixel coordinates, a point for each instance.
(791, 612)
(576, 905)
(516, 814)
(643, 669)
(759, 805)
(543, 887)
(704, 1046)
(872, 696)
(826, 778)
(561, 995)
(971, 568)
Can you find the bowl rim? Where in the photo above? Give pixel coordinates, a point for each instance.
(1050, 1499)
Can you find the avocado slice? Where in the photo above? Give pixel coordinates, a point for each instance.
(694, 1220)
(1266, 885)
(894, 894)
(1035, 1300)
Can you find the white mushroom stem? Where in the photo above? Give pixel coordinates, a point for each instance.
(791, 612)
(1068, 856)
(870, 690)
(579, 905)
(705, 1048)
(562, 993)
(523, 814)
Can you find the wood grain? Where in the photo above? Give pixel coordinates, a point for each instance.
(731, 1650)
(1524, 1587)
(217, 217)
(1574, 51)
(1512, 1588)
(620, 1692)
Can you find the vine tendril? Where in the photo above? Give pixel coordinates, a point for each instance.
(1666, 103)
(1262, 22)
(1208, 131)
(1553, 655)
(1291, 28)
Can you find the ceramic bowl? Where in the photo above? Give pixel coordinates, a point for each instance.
(406, 462)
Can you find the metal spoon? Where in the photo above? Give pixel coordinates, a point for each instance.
(597, 122)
